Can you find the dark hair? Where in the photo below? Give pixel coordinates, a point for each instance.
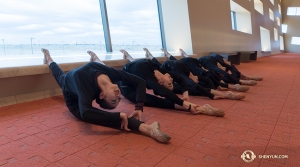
(104, 104)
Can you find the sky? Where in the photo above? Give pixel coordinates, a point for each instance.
(78, 21)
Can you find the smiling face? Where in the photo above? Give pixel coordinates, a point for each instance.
(111, 95)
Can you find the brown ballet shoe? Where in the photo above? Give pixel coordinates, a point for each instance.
(249, 82)
(157, 134)
(256, 78)
(241, 88)
(234, 96)
(213, 111)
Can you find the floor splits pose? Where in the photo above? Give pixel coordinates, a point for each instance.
(162, 84)
(210, 63)
(227, 66)
(207, 79)
(95, 81)
(179, 68)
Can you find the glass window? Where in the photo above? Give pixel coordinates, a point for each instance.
(134, 24)
(258, 5)
(293, 11)
(65, 27)
(265, 39)
(233, 21)
(298, 12)
(241, 18)
(284, 28)
(281, 43)
(278, 21)
(271, 13)
(295, 41)
(275, 34)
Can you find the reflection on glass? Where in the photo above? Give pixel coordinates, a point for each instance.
(134, 24)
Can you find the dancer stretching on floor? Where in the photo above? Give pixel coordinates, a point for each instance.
(210, 63)
(95, 81)
(161, 82)
(179, 68)
(211, 80)
(228, 67)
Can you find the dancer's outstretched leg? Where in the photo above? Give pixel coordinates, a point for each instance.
(197, 109)
(183, 53)
(126, 55)
(58, 74)
(94, 57)
(148, 54)
(47, 58)
(166, 53)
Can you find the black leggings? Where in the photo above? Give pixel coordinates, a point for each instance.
(206, 79)
(215, 79)
(226, 77)
(151, 100)
(60, 77)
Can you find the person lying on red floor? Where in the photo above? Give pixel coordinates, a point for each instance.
(95, 81)
(162, 83)
(207, 79)
(227, 66)
(180, 69)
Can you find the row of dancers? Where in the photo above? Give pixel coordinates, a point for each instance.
(211, 76)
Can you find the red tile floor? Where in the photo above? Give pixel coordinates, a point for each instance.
(44, 133)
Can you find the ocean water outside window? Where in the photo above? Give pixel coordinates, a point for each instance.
(134, 24)
(66, 28)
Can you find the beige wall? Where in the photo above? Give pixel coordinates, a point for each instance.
(293, 23)
(211, 28)
(176, 19)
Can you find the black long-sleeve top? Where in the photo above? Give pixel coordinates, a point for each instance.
(176, 67)
(81, 88)
(145, 69)
(179, 68)
(208, 62)
(218, 58)
(193, 64)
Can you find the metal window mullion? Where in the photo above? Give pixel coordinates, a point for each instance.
(161, 25)
(105, 24)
